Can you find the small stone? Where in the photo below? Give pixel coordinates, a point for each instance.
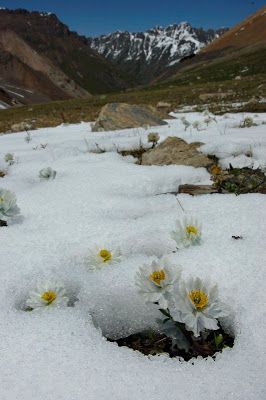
(163, 104)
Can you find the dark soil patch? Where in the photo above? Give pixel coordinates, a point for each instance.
(136, 153)
(240, 181)
(154, 343)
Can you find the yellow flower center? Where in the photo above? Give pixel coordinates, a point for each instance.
(192, 230)
(158, 276)
(49, 296)
(105, 255)
(199, 299)
(216, 170)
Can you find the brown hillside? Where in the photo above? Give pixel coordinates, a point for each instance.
(67, 50)
(42, 58)
(250, 32)
(33, 71)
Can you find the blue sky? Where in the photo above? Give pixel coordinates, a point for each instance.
(94, 17)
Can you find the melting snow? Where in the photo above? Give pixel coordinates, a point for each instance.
(105, 198)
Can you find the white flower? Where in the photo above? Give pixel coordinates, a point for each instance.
(187, 232)
(48, 295)
(196, 304)
(155, 281)
(153, 137)
(185, 122)
(9, 158)
(47, 173)
(8, 205)
(102, 256)
(196, 125)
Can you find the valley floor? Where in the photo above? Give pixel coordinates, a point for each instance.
(108, 200)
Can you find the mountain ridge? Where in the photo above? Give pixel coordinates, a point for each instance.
(57, 63)
(144, 55)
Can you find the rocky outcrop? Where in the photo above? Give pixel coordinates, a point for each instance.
(115, 116)
(176, 151)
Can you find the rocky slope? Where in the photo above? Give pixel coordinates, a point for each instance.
(145, 55)
(41, 55)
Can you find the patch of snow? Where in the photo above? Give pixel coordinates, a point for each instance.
(173, 62)
(15, 93)
(105, 198)
(15, 87)
(45, 14)
(242, 140)
(3, 105)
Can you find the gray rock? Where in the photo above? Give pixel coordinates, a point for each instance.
(115, 116)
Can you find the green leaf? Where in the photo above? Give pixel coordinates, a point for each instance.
(218, 339)
(172, 330)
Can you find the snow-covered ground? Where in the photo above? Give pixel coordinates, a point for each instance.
(108, 200)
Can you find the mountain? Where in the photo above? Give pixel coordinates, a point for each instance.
(145, 55)
(42, 60)
(245, 35)
(239, 53)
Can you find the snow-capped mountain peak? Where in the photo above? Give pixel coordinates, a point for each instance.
(157, 48)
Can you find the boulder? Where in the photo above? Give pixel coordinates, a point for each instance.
(21, 126)
(176, 151)
(115, 116)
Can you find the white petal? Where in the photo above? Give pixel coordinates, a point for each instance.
(163, 303)
(207, 323)
(217, 310)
